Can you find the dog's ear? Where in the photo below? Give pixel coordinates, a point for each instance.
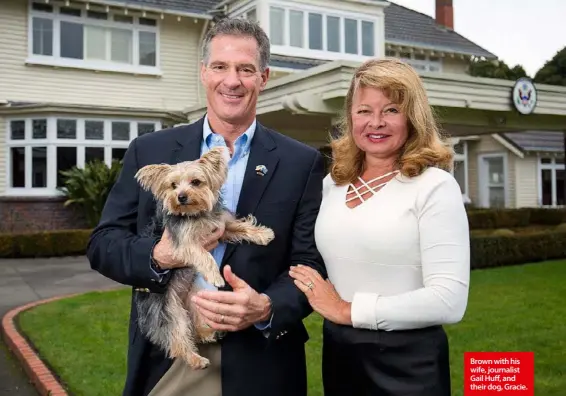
(150, 177)
(217, 158)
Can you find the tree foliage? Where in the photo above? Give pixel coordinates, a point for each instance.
(496, 69)
(554, 71)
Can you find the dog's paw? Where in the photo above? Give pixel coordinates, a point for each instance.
(264, 236)
(198, 362)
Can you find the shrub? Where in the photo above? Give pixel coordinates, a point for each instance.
(88, 188)
(561, 227)
(503, 232)
(495, 251)
(514, 218)
(44, 244)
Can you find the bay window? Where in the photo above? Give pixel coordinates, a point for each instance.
(77, 37)
(39, 148)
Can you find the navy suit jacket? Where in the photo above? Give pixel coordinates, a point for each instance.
(286, 198)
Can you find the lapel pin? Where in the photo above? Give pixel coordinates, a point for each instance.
(261, 170)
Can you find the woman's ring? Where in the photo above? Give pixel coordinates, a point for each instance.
(310, 285)
(222, 319)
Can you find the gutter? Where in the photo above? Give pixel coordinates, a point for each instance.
(143, 7)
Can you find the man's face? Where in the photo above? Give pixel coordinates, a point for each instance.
(233, 79)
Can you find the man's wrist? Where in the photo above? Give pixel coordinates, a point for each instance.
(267, 307)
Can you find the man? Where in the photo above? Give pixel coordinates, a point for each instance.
(277, 179)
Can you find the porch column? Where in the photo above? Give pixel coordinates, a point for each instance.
(564, 159)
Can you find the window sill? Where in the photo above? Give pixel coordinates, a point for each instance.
(30, 193)
(93, 66)
(316, 54)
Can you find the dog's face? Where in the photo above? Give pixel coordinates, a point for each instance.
(190, 187)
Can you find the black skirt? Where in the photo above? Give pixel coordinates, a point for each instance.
(359, 362)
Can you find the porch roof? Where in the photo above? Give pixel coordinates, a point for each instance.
(537, 141)
(460, 99)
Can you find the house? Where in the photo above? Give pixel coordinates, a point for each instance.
(80, 79)
(512, 169)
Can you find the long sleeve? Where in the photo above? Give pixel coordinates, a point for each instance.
(445, 257)
(114, 249)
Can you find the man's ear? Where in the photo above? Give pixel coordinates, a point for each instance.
(264, 79)
(151, 177)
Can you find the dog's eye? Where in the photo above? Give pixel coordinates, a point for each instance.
(173, 185)
(195, 182)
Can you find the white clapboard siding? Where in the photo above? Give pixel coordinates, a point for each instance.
(527, 181)
(174, 90)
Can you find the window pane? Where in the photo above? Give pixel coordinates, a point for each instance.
(276, 18)
(18, 167)
(560, 179)
(71, 40)
(94, 130)
(148, 49)
(120, 131)
(42, 7)
(42, 36)
(148, 22)
(144, 128)
(70, 11)
(124, 19)
(39, 129)
(97, 15)
(66, 129)
(367, 38)
(94, 153)
(459, 148)
(460, 175)
(315, 31)
(95, 42)
(495, 171)
(39, 167)
(66, 159)
(121, 45)
(333, 34)
(496, 197)
(546, 180)
(118, 153)
(296, 28)
(351, 36)
(545, 161)
(251, 15)
(18, 130)
(559, 160)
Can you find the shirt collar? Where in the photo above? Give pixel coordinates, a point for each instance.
(244, 140)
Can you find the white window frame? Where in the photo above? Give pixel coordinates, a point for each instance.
(57, 61)
(419, 64)
(553, 167)
(463, 158)
(482, 182)
(287, 49)
(52, 142)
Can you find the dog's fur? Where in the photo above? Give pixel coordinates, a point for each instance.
(189, 206)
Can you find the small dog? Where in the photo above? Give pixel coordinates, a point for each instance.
(189, 206)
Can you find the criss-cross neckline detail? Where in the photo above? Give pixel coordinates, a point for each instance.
(359, 194)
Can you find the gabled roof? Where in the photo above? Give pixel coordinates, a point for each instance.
(536, 141)
(408, 27)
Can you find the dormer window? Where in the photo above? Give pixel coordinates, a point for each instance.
(321, 34)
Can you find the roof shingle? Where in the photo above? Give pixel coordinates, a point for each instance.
(542, 141)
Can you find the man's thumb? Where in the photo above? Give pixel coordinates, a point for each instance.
(232, 279)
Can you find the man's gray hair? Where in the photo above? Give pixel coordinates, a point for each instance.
(239, 28)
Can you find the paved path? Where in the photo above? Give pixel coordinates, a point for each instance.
(26, 280)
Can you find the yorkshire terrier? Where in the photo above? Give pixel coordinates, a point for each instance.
(190, 207)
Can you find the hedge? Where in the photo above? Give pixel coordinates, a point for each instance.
(513, 218)
(44, 244)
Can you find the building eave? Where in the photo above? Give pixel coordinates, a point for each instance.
(147, 8)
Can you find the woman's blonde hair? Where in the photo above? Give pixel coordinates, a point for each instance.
(425, 147)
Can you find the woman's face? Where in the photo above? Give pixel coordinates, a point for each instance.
(379, 127)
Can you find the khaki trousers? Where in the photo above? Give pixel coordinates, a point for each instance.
(180, 380)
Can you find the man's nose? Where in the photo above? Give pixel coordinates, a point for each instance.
(232, 79)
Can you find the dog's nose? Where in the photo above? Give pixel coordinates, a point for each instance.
(182, 199)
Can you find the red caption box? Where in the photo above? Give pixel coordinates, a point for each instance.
(499, 373)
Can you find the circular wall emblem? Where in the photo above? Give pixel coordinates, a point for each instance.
(524, 96)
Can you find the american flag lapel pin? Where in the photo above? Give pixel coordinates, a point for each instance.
(261, 170)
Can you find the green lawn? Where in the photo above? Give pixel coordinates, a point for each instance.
(520, 308)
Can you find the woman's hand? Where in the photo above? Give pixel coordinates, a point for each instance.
(322, 295)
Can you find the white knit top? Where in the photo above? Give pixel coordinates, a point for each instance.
(402, 257)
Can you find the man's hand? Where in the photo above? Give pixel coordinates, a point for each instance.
(163, 251)
(234, 310)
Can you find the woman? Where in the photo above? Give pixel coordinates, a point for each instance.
(393, 232)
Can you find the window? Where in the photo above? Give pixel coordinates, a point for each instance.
(460, 171)
(493, 180)
(552, 178)
(39, 148)
(317, 33)
(419, 61)
(93, 39)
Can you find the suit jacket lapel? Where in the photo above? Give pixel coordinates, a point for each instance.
(254, 185)
(189, 142)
